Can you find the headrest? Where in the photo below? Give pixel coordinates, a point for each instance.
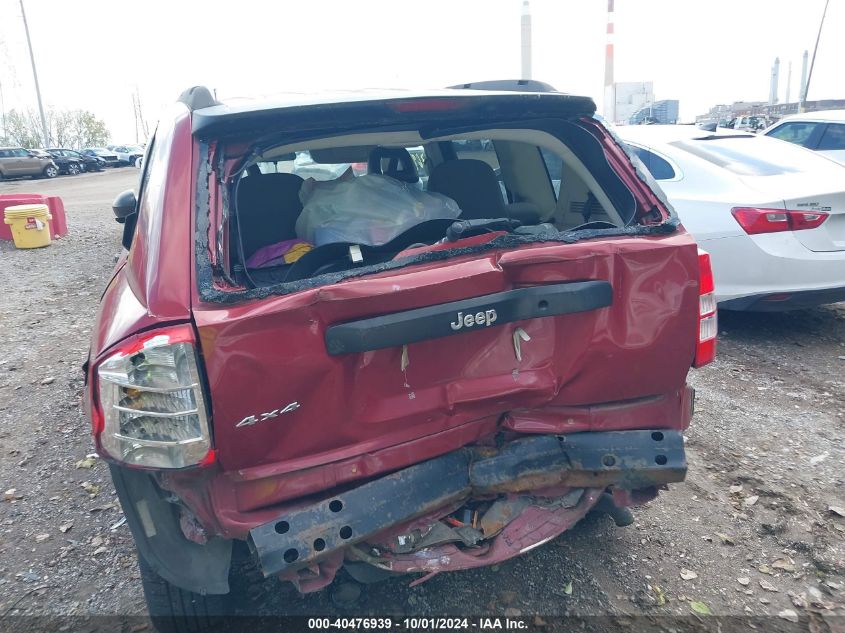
(400, 165)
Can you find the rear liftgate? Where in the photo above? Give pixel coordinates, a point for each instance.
(629, 460)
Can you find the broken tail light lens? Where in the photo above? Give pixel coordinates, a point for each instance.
(151, 402)
(755, 221)
(708, 323)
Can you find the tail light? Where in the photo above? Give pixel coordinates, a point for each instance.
(705, 350)
(151, 411)
(755, 221)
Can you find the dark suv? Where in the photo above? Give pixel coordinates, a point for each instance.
(355, 369)
(16, 162)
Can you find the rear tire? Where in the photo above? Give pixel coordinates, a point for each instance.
(50, 172)
(175, 610)
(73, 169)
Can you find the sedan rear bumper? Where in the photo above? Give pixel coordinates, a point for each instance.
(783, 301)
(629, 460)
(753, 272)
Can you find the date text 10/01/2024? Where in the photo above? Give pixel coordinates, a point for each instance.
(417, 624)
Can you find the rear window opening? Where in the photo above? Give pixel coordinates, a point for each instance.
(337, 204)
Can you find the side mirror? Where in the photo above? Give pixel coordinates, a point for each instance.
(125, 212)
(124, 205)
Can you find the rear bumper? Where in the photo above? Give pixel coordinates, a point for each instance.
(628, 460)
(749, 269)
(783, 301)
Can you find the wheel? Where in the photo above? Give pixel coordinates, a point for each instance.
(174, 610)
(51, 171)
(73, 169)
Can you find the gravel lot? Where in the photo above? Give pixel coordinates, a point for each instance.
(757, 528)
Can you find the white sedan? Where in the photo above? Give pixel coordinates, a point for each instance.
(771, 214)
(822, 131)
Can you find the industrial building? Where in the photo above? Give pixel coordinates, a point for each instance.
(664, 112)
(630, 97)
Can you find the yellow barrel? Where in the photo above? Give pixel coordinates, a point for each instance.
(29, 225)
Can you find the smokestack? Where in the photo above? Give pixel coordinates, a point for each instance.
(526, 40)
(609, 88)
(788, 82)
(773, 89)
(802, 89)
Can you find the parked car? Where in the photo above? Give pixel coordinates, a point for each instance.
(67, 164)
(127, 154)
(771, 214)
(440, 395)
(823, 132)
(748, 123)
(86, 163)
(16, 162)
(108, 157)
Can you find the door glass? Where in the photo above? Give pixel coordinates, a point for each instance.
(833, 137)
(554, 165)
(798, 133)
(657, 167)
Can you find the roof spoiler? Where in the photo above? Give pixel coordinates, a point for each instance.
(509, 85)
(197, 97)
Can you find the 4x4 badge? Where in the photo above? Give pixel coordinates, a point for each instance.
(261, 417)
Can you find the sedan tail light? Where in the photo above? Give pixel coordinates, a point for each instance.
(149, 409)
(705, 349)
(755, 221)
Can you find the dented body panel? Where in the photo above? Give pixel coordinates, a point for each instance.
(641, 346)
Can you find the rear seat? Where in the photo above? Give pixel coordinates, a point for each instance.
(472, 183)
(268, 205)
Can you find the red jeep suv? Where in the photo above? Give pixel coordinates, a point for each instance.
(397, 332)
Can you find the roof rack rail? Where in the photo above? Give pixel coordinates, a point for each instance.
(510, 85)
(197, 97)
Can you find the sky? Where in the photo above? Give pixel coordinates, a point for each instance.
(93, 54)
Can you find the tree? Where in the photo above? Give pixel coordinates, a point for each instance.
(66, 128)
(86, 130)
(23, 129)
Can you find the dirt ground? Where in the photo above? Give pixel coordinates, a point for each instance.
(757, 528)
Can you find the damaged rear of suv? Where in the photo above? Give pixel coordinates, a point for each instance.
(404, 333)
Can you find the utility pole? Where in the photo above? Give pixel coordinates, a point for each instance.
(145, 130)
(35, 77)
(135, 113)
(141, 128)
(813, 61)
